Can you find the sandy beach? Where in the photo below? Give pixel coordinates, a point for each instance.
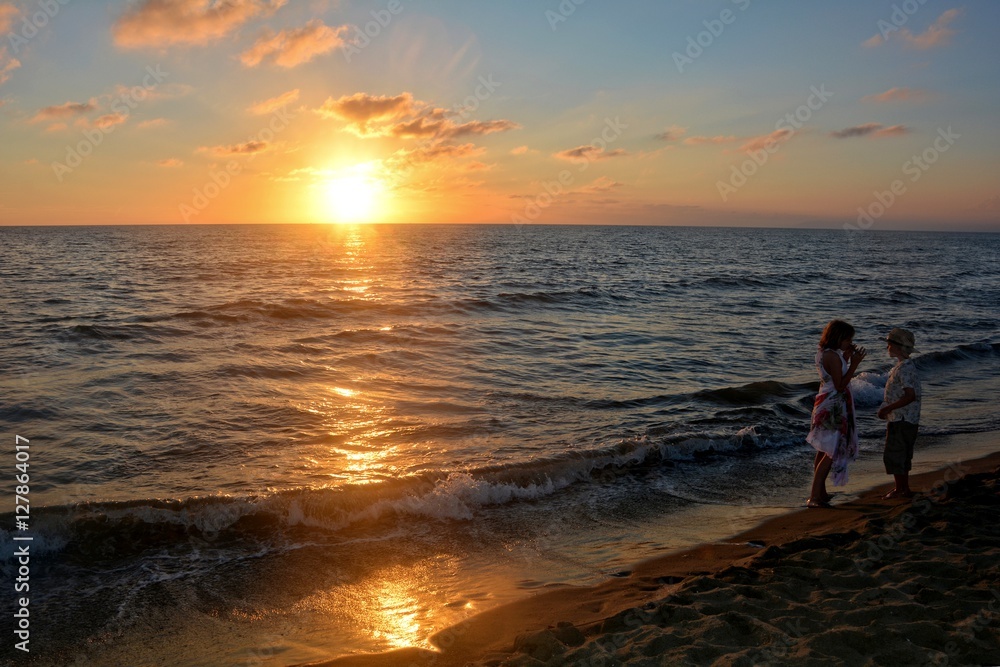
(868, 582)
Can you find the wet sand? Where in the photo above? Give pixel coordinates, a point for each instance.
(869, 581)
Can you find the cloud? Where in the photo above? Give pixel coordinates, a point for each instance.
(672, 133)
(423, 127)
(938, 34)
(170, 163)
(602, 184)
(588, 153)
(152, 123)
(361, 109)
(893, 131)
(290, 48)
(416, 128)
(476, 128)
(7, 14)
(110, 120)
(7, 64)
(67, 110)
(249, 148)
(403, 117)
(719, 139)
(275, 103)
(897, 95)
(520, 150)
(163, 91)
(870, 129)
(433, 153)
(765, 141)
(163, 23)
(991, 205)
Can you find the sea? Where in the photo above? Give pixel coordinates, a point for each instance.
(274, 444)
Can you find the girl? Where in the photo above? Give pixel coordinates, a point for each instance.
(833, 434)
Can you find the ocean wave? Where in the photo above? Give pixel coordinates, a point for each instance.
(868, 389)
(962, 353)
(754, 393)
(102, 531)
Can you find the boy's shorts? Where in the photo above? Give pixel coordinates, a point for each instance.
(899, 439)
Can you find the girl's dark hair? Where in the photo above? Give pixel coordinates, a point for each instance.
(835, 333)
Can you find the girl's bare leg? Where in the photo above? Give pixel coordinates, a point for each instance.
(818, 494)
(820, 456)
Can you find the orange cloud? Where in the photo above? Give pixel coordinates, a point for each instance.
(154, 122)
(170, 163)
(870, 130)
(589, 153)
(938, 34)
(361, 109)
(765, 141)
(163, 91)
(672, 133)
(418, 127)
(897, 95)
(433, 153)
(892, 131)
(108, 121)
(7, 64)
(405, 118)
(275, 103)
(698, 141)
(290, 48)
(7, 14)
(162, 23)
(66, 110)
(602, 184)
(249, 148)
(477, 127)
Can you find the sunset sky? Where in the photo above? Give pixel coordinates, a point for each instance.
(723, 112)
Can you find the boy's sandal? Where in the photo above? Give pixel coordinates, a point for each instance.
(813, 504)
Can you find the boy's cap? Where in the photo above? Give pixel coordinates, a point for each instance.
(901, 337)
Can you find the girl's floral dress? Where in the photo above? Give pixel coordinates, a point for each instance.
(833, 429)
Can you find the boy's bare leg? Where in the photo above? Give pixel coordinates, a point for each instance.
(902, 489)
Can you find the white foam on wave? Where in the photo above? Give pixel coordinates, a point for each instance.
(868, 389)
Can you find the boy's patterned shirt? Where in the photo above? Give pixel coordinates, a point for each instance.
(903, 375)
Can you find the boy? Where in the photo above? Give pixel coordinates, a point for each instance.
(901, 409)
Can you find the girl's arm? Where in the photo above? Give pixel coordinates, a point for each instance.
(831, 362)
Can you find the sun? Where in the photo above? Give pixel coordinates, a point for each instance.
(354, 195)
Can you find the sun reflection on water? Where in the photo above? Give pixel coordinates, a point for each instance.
(396, 607)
